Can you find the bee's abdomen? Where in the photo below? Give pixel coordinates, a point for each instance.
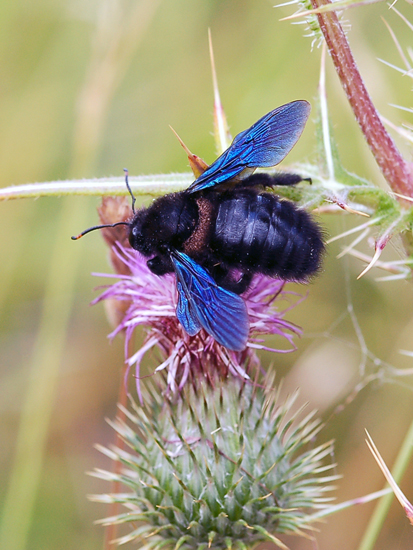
(258, 232)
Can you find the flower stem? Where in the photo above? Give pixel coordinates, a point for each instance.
(395, 169)
(376, 522)
(141, 185)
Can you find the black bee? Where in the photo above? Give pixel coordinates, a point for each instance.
(223, 229)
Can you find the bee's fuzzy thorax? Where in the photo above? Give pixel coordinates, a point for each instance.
(199, 239)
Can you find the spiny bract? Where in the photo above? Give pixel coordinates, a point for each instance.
(222, 467)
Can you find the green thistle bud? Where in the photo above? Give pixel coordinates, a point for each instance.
(225, 467)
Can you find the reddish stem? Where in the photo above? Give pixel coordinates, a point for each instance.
(395, 169)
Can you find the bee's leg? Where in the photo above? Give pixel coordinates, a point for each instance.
(269, 180)
(286, 178)
(240, 286)
(225, 278)
(160, 265)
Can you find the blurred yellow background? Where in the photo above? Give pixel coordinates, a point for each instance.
(90, 87)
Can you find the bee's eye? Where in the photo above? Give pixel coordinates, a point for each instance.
(136, 238)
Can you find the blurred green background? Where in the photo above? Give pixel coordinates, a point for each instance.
(88, 87)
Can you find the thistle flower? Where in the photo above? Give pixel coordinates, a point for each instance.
(139, 297)
(225, 466)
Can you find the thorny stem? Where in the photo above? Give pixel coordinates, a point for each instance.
(396, 170)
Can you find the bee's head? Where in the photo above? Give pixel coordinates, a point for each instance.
(166, 223)
(141, 236)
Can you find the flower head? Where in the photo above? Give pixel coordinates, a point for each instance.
(139, 297)
(226, 466)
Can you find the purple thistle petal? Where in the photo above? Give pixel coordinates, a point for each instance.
(143, 298)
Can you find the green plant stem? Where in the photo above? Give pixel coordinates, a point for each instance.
(42, 380)
(376, 522)
(396, 170)
(142, 185)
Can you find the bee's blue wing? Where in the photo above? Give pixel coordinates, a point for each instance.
(265, 144)
(202, 303)
(185, 312)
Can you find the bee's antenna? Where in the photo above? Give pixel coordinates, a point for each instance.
(76, 237)
(129, 189)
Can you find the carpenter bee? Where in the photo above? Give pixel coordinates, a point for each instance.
(224, 228)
